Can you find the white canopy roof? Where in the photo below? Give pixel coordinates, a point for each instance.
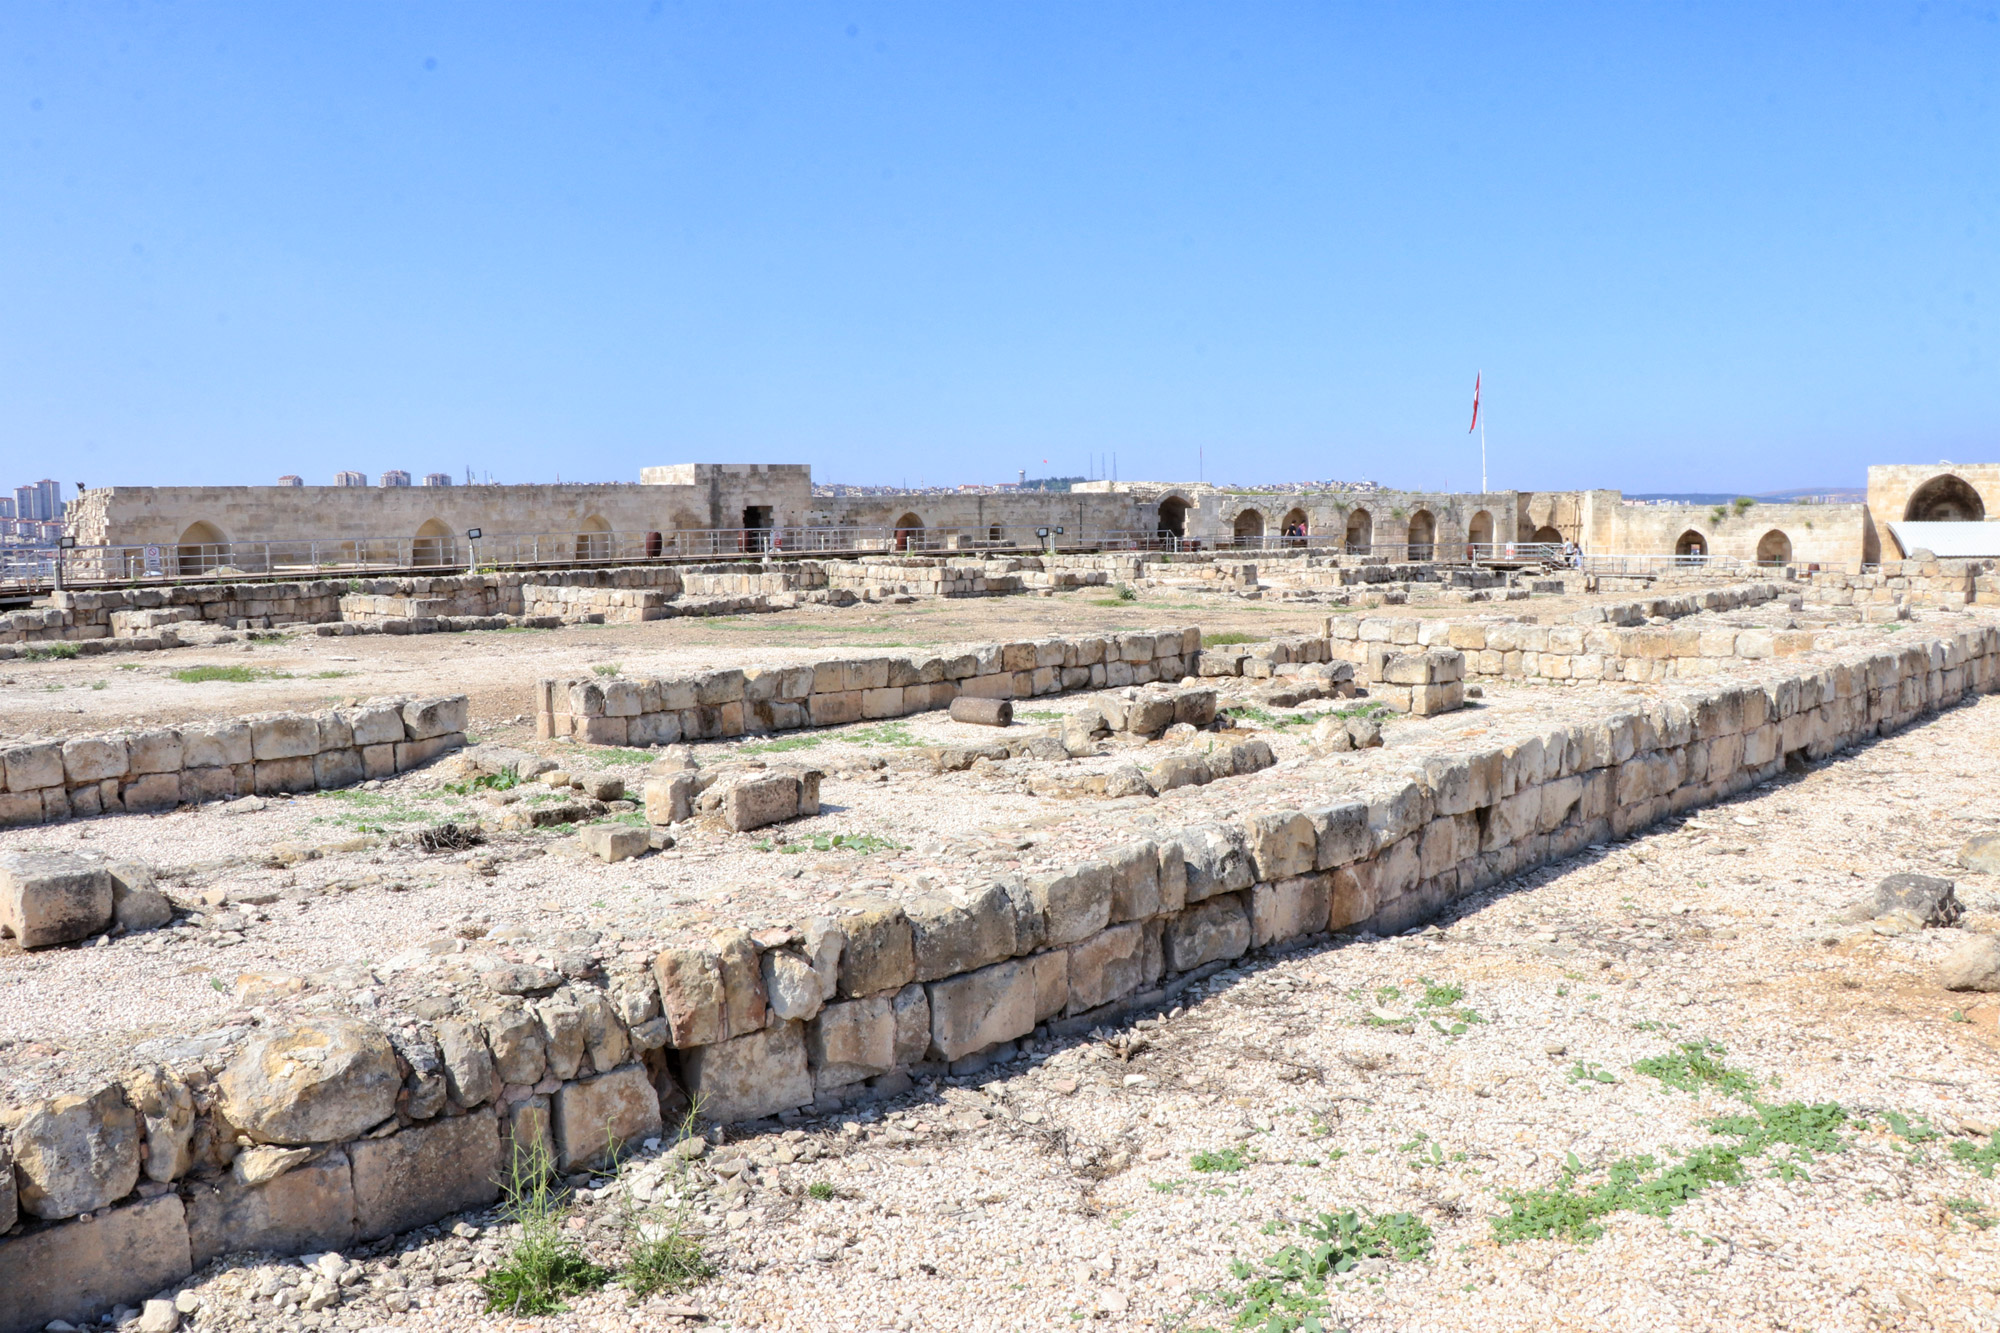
(1948, 541)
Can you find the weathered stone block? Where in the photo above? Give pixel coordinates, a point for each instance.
(879, 954)
(75, 1272)
(165, 1110)
(424, 719)
(1289, 908)
(1214, 929)
(980, 1009)
(761, 801)
(670, 799)
(53, 898)
(33, 766)
(1281, 845)
(320, 1081)
(690, 984)
(283, 736)
(1106, 967)
(155, 750)
(603, 1114)
(791, 985)
(1074, 905)
(750, 1076)
(93, 758)
(744, 1005)
(277, 776)
(420, 1174)
(1135, 881)
(468, 1064)
(374, 724)
(1217, 861)
(333, 769)
(73, 1154)
(612, 843)
(854, 1040)
(310, 1207)
(949, 936)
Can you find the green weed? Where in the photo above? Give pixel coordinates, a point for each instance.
(546, 1266)
(1582, 1072)
(820, 1190)
(1693, 1065)
(235, 675)
(781, 746)
(1982, 1158)
(1226, 1160)
(1973, 1212)
(864, 843)
(1287, 1291)
(605, 669)
(889, 733)
(505, 780)
(1224, 638)
(45, 652)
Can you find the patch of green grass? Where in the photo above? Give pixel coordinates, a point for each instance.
(1287, 1292)
(605, 669)
(546, 1265)
(820, 1190)
(328, 675)
(1264, 717)
(503, 781)
(1226, 637)
(623, 754)
(1973, 1212)
(863, 843)
(782, 746)
(1040, 716)
(100, 684)
(1982, 1158)
(889, 733)
(235, 675)
(673, 1263)
(1226, 1160)
(128, 666)
(45, 652)
(1694, 1065)
(1585, 1072)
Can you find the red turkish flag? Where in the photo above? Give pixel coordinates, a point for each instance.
(1475, 404)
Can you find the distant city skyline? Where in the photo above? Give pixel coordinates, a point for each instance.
(1690, 247)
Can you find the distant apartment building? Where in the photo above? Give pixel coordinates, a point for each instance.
(350, 479)
(437, 478)
(395, 477)
(40, 502)
(290, 480)
(6, 506)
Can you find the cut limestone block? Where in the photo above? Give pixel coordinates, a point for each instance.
(750, 1076)
(457, 1160)
(76, 1272)
(761, 801)
(612, 843)
(53, 898)
(604, 1115)
(310, 1207)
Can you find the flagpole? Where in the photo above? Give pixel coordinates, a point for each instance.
(1482, 458)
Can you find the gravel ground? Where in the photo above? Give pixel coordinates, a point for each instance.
(1067, 1187)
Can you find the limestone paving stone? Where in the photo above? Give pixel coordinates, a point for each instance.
(319, 1081)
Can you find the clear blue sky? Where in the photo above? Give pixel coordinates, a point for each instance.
(1692, 246)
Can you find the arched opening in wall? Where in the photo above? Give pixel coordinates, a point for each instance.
(1249, 528)
(594, 542)
(1295, 527)
(201, 548)
(909, 532)
(1480, 531)
(1360, 532)
(656, 542)
(1945, 499)
(1423, 535)
(433, 545)
(1173, 517)
(993, 533)
(1691, 545)
(1774, 548)
(1548, 535)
